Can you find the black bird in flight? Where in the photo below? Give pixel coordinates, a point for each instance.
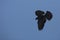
(42, 17)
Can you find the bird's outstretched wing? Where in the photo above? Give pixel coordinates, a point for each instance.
(48, 15)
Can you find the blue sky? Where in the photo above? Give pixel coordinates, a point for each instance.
(17, 20)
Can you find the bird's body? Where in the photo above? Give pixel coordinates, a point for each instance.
(41, 22)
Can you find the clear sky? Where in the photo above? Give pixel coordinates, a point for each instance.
(17, 20)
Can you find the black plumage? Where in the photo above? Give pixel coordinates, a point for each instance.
(42, 17)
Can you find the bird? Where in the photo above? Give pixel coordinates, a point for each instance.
(42, 17)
